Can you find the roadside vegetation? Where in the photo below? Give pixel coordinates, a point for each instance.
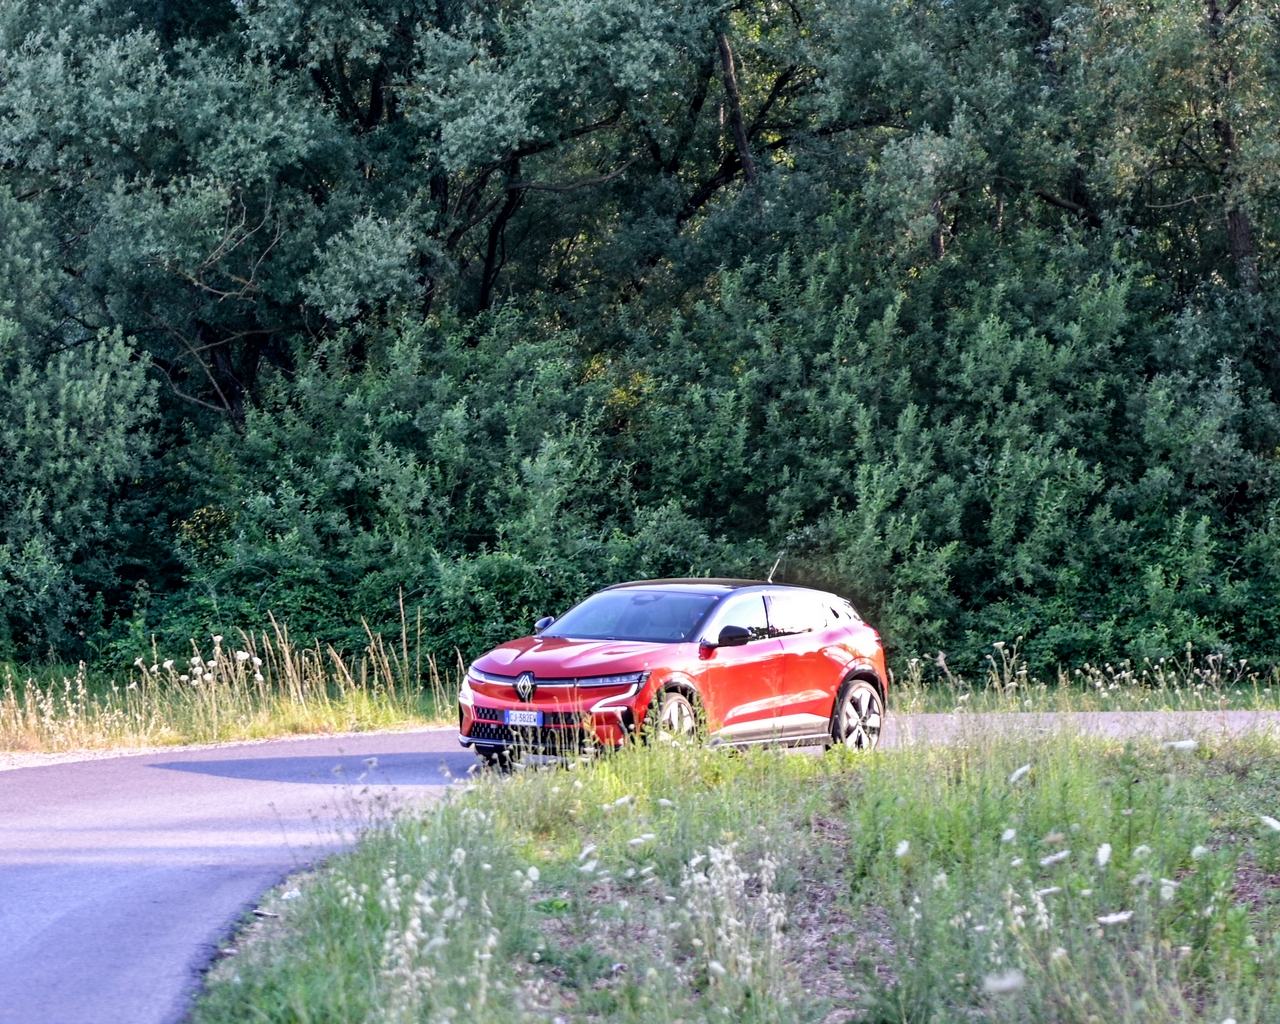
(250, 687)
(1064, 880)
(263, 685)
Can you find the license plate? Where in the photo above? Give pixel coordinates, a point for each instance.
(522, 717)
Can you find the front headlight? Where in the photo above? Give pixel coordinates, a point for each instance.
(629, 679)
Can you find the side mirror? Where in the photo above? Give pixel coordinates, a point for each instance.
(543, 623)
(733, 636)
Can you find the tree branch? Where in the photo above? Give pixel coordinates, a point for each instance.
(584, 183)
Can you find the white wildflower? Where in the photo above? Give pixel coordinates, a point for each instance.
(1167, 888)
(1016, 862)
(940, 880)
(717, 968)
(257, 677)
(1119, 917)
(242, 656)
(1054, 858)
(1181, 745)
(1003, 984)
(534, 873)
(1058, 954)
(217, 639)
(622, 801)
(903, 848)
(459, 856)
(257, 663)
(168, 665)
(1008, 835)
(292, 894)
(1020, 774)
(1270, 822)
(1199, 852)
(1141, 851)
(1103, 855)
(1053, 890)
(664, 802)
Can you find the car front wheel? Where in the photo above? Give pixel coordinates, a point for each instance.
(858, 715)
(672, 717)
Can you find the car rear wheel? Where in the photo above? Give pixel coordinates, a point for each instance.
(858, 715)
(672, 718)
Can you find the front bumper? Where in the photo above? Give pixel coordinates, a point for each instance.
(562, 732)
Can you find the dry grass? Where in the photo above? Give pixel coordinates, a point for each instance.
(260, 685)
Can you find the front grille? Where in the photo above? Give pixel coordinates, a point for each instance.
(542, 740)
(484, 714)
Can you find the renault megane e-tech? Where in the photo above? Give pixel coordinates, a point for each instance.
(747, 662)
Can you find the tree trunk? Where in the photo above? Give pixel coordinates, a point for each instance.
(735, 110)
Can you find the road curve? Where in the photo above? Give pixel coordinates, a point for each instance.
(119, 876)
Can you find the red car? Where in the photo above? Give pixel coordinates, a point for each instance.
(748, 662)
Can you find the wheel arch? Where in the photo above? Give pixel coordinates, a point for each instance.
(672, 684)
(867, 672)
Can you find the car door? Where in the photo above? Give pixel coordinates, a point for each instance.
(741, 686)
(812, 661)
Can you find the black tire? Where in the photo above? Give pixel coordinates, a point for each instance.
(672, 718)
(858, 715)
(494, 757)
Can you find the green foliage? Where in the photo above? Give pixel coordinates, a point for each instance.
(968, 308)
(68, 437)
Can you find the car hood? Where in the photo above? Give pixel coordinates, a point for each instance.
(560, 658)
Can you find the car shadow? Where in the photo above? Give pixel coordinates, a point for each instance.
(409, 769)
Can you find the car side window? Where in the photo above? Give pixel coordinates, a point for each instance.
(746, 610)
(791, 613)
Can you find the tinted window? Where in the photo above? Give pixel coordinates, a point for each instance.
(796, 612)
(662, 616)
(746, 610)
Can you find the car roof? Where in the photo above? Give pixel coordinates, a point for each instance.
(702, 583)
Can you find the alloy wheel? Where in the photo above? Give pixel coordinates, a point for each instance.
(860, 717)
(677, 719)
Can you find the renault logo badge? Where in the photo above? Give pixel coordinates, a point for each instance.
(526, 687)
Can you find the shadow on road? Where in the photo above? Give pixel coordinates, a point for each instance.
(409, 769)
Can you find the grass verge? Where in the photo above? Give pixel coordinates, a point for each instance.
(1060, 879)
(256, 686)
(263, 685)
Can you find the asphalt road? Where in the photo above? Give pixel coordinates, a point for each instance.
(120, 876)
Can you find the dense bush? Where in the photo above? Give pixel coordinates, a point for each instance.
(479, 306)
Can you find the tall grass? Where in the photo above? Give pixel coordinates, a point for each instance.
(1060, 880)
(263, 684)
(1006, 684)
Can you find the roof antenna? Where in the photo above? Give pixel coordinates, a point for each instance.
(775, 566)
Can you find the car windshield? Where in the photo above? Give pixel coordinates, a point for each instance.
(659, 616)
